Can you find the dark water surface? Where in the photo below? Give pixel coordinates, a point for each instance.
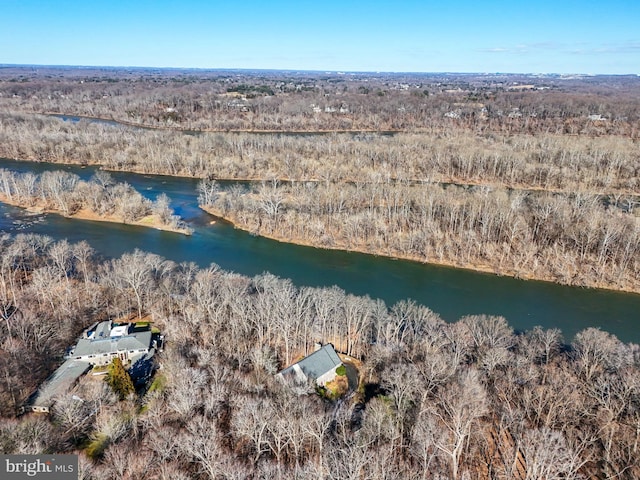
(450, 292)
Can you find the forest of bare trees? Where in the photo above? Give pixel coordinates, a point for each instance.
(546, 161)
(470, 399)
(573, 239)
(281, 101)
(537, 177)
(100, 198)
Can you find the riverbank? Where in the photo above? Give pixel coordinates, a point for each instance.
(506, 257)
(524, 162)
(450, 181)
(471, 266)
(149, 221)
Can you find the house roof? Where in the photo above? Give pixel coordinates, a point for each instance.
(102, 330)
(119, 331)
(59, 382)
(317, 364)
(135, 341)
(97, 340)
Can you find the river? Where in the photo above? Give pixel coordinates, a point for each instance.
(448, 291)
(286, 133)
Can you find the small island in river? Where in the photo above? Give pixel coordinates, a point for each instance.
(99, 199)
(424, 223)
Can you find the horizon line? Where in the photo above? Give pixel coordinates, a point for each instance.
(318, 71)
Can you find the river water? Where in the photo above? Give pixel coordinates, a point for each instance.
(448, 291)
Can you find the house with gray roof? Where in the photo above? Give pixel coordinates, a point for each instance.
(319, 367)
(98, 346)
(101, 345)
(57, 384)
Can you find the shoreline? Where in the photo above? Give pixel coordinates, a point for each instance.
(483, 268)
(442, 182)
(480, 268)
(83, 214)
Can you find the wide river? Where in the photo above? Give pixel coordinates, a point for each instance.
(449, 291)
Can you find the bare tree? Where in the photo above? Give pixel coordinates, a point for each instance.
(460, 407)
(548, 456)
(132, 273)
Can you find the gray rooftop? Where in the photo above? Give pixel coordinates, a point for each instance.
(102, 331)
(59, 382)
(318, 363)
(134, 341)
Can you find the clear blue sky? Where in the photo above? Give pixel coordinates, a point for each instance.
(537, 36)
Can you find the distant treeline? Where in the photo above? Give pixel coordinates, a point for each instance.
(547, 161)
(470, 399)
(307, 102)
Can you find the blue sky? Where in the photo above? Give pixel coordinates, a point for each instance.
(561, 36)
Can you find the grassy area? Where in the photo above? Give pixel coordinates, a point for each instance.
(97, 445)
(159, 383)
(335, 389)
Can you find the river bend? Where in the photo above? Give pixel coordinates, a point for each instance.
(449, 291)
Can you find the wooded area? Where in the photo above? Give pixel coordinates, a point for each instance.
(546, 161)
(575, 239)
(531, 176)
(548, 177)
(313, 101)
(470, 399)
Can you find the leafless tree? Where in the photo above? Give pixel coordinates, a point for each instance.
(459, 409)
